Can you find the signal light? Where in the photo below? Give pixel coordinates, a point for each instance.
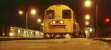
(107, 20)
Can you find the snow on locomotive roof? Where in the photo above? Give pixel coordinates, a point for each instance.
(57, 6)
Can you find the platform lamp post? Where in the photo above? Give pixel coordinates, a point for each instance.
(32, 12)
(87, 18)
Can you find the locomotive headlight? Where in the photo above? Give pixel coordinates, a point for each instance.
(53, 22)
(61, 22)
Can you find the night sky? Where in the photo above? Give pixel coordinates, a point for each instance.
(104, 11)
(9, 8)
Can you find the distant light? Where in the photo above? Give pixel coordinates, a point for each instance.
(42, 24)
(31, 32)
(25, 31)
(33, 12)
(91, 29)
(18, 30)
(39, 20)
(87, 23)
(87, 17)
(11, 34)
(86, 31)
(107, 20)
(3, 34)
(87, 3)
(11, 29)
(20, 12)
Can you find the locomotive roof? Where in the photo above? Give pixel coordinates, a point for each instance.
(58, 5)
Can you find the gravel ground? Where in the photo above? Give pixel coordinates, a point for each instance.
(55, 44)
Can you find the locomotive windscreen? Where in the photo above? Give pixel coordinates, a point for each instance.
(50, 14)
(66, 14)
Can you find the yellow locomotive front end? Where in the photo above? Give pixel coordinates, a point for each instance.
(58, 20)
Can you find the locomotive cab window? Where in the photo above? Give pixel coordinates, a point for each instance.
(50, 14)
(66, 14)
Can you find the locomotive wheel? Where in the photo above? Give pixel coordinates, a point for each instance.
(53, 36)
(67, 36)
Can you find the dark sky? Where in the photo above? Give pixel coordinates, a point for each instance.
(9, 8)
(104, 7)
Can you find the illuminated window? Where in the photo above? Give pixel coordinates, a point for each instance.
(50, 14)
(66, 14)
